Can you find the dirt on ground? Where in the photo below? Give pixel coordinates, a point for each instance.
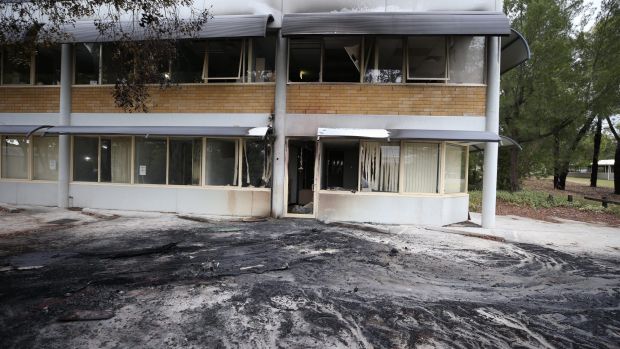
(162, 282)
(577, 189)
(551, 214)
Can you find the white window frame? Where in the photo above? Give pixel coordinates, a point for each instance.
(446, 77)
(205, 65)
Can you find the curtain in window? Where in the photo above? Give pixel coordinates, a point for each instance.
(380, 166)
(421, 163)
(256, 164)
(456, 157)
(45, 151)
(121, 160)
(14, 157)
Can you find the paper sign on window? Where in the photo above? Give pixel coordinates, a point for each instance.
(52, 165)
(142, 170)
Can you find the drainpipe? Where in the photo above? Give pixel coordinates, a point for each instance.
(279, 124)
(489, 180)
(64, 151)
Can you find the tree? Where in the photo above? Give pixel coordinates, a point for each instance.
(616, 157)
(598, 134)
(27, 25)
(539, 104)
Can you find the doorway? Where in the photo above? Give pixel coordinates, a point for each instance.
(301, 173)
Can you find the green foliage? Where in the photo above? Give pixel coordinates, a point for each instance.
(549, 103)
(540, 199)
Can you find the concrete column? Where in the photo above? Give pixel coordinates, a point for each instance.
(278, 201)
(64, 146)
(489, 179)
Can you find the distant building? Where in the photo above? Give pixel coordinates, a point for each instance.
(304, 110)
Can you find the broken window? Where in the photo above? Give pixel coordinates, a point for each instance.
(263, 60)
(45, 158)
(384, 60)
(379, 166)
(304, 60)
(340, 165)
(341, 60)
(456, 167)
(222, 162)
(256, 164)
(14, 157)
(115, 159)
(85, 159)
(47, 66)
(15, 67)
(150, 160)
(467, 59)
(87, 57)
(223, 60)
(185, 155)
(189, 62)
(426, 58)
(421, 167)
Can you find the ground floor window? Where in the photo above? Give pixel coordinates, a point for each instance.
(394, 167)
(380, 162)
(45, 158)
(172, 161)
(14, 157)
(421, 167)
(456, 169)
(340, 165)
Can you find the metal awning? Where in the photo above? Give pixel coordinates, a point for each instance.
(515, 51)
(217, 27)
(504, 142)
(396, 23)
(25, 130)
(397, 134)
(197, 131)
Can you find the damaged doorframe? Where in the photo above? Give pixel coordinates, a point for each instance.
(315, 177)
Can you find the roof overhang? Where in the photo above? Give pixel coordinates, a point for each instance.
(22, 130)
(397, 23)
(195, 131)
(412, 134)
(232, 26)
(515, 51)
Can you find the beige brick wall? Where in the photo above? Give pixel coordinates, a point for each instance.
(29, 99)
(213, 98)
(427, 99)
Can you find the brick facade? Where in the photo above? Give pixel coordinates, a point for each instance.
(207, 98)
(29, 99)
(259, 98)
(427, 99)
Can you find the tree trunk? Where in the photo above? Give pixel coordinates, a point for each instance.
(559, 179)
(595, 153)
(514, 169)
(617, 169)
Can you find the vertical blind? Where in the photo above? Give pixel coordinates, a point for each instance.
(380, 166)
(421, 165)
(455, 169)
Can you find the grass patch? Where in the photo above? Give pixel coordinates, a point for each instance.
(602, 183)
(540, 199)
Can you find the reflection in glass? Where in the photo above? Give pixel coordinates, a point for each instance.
(384, 60)
(116, 159)
(304, 60)
(87, 63)
(45, 153)
(85, 159)
(14, 157)
(185, 155)
(456, 159)
(150, 160)
(221, 164)
(426, 58)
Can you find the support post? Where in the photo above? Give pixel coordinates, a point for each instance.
(489, 181)
(278, 201)
(64, 119)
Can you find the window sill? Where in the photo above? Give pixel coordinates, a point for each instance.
(172, 186)
(388, 84)
(184, 84)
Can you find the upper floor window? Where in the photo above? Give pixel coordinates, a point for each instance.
(383, 60)
(223, 60)
(427, 58)
(15, 67)
(87, 63)
(47, 66)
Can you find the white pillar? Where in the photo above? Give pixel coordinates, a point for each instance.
(64, 149)
(489, 179)
(278, 201)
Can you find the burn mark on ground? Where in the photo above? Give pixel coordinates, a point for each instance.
(300, 283)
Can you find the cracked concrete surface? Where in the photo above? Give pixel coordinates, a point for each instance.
(172, 282)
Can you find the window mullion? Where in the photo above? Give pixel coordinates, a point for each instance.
(133, 159)
(167, 159)
(322, 59)
(442, 176)
(240, 162)
(401, 168)
(98, 159)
